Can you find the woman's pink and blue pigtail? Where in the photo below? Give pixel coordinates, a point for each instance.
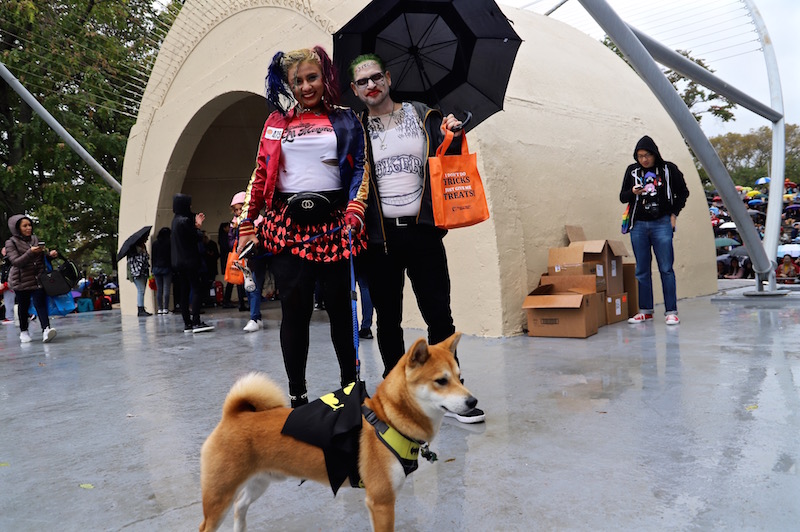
(277, 85)
(330, 78)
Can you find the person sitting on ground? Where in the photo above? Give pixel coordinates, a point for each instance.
(787, 269)
(736, 271)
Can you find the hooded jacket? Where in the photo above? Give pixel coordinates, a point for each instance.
(432, 123)
(26, 266)
(162, 252)
(671, 197)
(185, 237)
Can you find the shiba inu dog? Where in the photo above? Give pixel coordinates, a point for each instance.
(248, 450)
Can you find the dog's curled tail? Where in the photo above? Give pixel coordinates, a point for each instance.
(253, 393)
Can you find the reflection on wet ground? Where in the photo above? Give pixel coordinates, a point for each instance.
(641, 427)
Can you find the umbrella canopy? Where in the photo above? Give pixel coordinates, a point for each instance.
(728, 225)
(450, 54)
(762, 180)
(716, 198)
(789, 249)
(754, 202)
(753, 193)
(724, 242)
(714, 210)
(741, 251)
(792, 207)
(131, 241)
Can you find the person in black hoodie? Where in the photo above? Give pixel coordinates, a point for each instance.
(656, 192)
(186, 240)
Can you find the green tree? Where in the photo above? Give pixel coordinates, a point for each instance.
(698, 99)
(748, 156)
(86, 62)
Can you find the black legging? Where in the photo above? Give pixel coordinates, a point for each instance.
(24, 304)
(295, 279)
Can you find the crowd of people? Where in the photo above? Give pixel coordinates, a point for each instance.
(733, 261)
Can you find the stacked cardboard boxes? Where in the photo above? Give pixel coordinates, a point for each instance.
(582, 290)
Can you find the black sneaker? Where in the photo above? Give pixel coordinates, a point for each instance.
(476, 415)
(365, 333)
(202, 327)
(188, 328)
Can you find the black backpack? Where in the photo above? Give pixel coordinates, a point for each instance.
(69, 270)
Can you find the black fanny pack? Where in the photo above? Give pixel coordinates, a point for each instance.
(311, 207)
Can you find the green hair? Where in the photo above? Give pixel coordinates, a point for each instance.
(361, 59)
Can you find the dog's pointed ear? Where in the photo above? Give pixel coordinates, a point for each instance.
(419, 353)
(451, 343)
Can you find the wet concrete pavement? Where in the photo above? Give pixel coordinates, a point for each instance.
(640, 427)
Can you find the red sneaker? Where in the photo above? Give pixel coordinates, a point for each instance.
(641, 318)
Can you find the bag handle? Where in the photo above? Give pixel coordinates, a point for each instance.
(448, 139)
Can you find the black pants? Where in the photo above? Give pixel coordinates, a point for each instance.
(416, 250)
(24, 305)
(226, 299)
(190, 283)
(295, 279)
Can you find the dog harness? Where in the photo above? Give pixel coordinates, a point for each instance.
(405, 449)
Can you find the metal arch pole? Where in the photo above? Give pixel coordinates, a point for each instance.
(648, 70)
(28, 98)
(692, 70)
(775, 206)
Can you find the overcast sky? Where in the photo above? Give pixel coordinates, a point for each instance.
(735, 56)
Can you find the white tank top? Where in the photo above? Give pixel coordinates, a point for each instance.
(398, 148)
(308, 156)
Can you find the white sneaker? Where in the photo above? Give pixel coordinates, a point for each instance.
(252, 326)
(672, 319)
(24, 337)
(48, 334)
(641, 318)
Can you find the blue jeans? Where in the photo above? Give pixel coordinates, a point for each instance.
(163, 282)
(141, 285)
(366, 302)
(258, 267)
(655, 234)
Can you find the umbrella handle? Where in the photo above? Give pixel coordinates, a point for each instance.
(464, 122)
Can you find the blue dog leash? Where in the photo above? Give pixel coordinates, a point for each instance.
(354, 304)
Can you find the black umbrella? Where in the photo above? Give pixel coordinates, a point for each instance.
(452, 54)
(132, 240)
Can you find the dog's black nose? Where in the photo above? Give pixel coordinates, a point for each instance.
(472, 402)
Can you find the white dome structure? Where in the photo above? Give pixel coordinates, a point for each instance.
(556, 155)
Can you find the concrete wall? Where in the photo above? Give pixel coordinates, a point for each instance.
(556, 155)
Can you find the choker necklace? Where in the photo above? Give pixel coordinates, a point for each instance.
(303, 110)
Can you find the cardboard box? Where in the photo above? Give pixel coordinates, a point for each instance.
(561, 314)
(570, 261)
(616, 308)
(584, 284)
(607, 253)
(631, 287)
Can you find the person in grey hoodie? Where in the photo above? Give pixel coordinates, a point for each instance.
(26, 254)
